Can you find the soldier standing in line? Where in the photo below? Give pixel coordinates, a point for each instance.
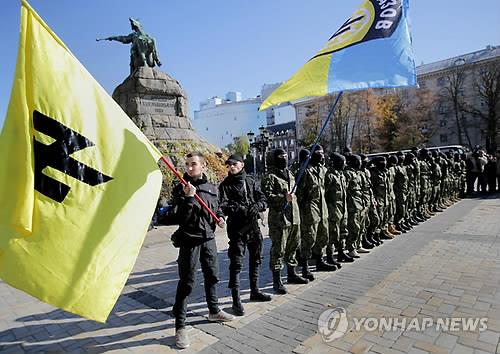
(365, 242)
(355, 203)
(401, 192)
(284, 223)
(392, 162)
(313, 214)
(241, 200)
(335, 195)
(380, 190)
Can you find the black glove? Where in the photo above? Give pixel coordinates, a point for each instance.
(253, 211)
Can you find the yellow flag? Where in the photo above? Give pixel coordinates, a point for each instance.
(78, 181)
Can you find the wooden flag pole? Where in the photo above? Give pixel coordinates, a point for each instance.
(184, 182)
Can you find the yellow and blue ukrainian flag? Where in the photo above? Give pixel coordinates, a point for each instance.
(372, 49)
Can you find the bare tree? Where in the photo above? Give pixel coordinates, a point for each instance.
(453, 93)
(487, 87)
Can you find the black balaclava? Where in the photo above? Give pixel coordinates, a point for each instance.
(280, 159)
(392, 161)
(424, 154)
(354, 161)
(380, 163)
(338, 161)
(409, 158)
(303, 155)
(401, 157)
(318, 155)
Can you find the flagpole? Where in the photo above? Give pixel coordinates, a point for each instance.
(306, 162)
(184, 182)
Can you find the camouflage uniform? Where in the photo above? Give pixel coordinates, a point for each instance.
(284, 224)
(313, 211)
(379, 183)
(355, 207)
(335, 195)
(401, 193)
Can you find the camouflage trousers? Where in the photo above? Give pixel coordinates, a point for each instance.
(355, 219)
(284, 243)
(373, 221)
(401, 206)
(337, 234)
(313, 238)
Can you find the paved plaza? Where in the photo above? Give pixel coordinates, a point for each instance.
(447, 267)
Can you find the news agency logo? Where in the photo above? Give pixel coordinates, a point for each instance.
(334, 324)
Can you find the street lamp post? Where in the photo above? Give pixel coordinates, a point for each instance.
(264, 143)
(251, 137)
(259, 144)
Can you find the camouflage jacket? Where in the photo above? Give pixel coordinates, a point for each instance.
(275, 185)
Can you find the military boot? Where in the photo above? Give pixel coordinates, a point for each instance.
(278, 286)
(306, 273)
(237, 307)
(393, 230)
(331, 260)
(322, 266)
(366, 243)
(342, 257)
(255, 293)
(293, 277)
(376, 237)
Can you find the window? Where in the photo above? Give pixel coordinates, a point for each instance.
(440, 81)
(292, 142)
(292, 155)
(442, 123)
(443, 138)
(442, 108)
(422, 84)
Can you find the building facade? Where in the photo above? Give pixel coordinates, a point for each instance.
(220, 121)
(454, 82)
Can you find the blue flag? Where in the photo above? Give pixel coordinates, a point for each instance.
(372, 49)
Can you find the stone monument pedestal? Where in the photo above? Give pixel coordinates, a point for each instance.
(158, 105)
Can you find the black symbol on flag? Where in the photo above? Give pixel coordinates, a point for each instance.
(57, 156)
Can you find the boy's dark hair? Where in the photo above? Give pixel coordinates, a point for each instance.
(196, 153)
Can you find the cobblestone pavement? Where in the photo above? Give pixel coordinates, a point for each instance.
(447, 267)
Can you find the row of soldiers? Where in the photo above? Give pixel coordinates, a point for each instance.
(351, 204)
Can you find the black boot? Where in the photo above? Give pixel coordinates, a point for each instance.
(376, 237)
(401, 228)
(331, 260)
(293, 277)
(342, 257)
(278, 286)
(322, 266)
(238, 309)
(370, 239)
(255, 293)
(305, 270)
(259, 296)
(367, 244)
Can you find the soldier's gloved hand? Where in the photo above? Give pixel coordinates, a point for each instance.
(253, 211)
